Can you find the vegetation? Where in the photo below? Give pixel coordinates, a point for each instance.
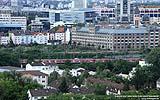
(11, 55)
(79, 97)
(14, 87)
(145, 77)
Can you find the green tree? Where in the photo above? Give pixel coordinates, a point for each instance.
(140, 78)
(154, 58)
(99, 89)
(53, 76)
(63, 85)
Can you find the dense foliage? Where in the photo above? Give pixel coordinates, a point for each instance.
(11, 55)
(14, 87)
(146, 76)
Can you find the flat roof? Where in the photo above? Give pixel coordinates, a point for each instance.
(116, 31)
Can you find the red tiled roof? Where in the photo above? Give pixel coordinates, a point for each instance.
(60, 30)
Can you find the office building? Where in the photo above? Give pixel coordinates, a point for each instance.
(118, 38)
(9, 22)
(73, 16)
(124, 11)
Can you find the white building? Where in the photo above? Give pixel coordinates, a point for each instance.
(39, 77)
(42, 67)
(9, 21)
(144, 63)
(4, 39)
(27, 37)
(61, 35)
(77, 72)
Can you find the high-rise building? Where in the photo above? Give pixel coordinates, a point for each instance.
(124, 11)
(79, 4)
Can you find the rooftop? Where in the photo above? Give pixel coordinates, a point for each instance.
(34, 73)
(116, 31)
(106, 82)
(43, 92)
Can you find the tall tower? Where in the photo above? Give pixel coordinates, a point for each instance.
(137, 17)
(123, 10)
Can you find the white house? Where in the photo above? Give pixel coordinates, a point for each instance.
(42, 67)
(125, 76)
(39, 77)
(37, 94)
(113, 92)
(144, 63)
(77, 72)
(131, 73)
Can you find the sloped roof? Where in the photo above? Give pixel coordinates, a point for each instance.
(106, 82)
(43, 92)
(34, 73)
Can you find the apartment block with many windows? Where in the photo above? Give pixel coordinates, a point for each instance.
(117, 39)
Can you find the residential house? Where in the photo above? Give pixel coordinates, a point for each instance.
(46, 68)
(144, 63)
(111, 87)
(77, 72)
(38, 76)
(38, 94)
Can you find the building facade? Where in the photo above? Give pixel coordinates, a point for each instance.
(124, 11)
(117, 39)
(39, 77)
(9, 22)
(152, 12)
(28, 37)
(73, 16)
(42, 67)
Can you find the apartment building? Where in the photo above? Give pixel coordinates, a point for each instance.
(28, 37)
(106, 13)
(62, 35)
(118, 38)
(152, 12)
